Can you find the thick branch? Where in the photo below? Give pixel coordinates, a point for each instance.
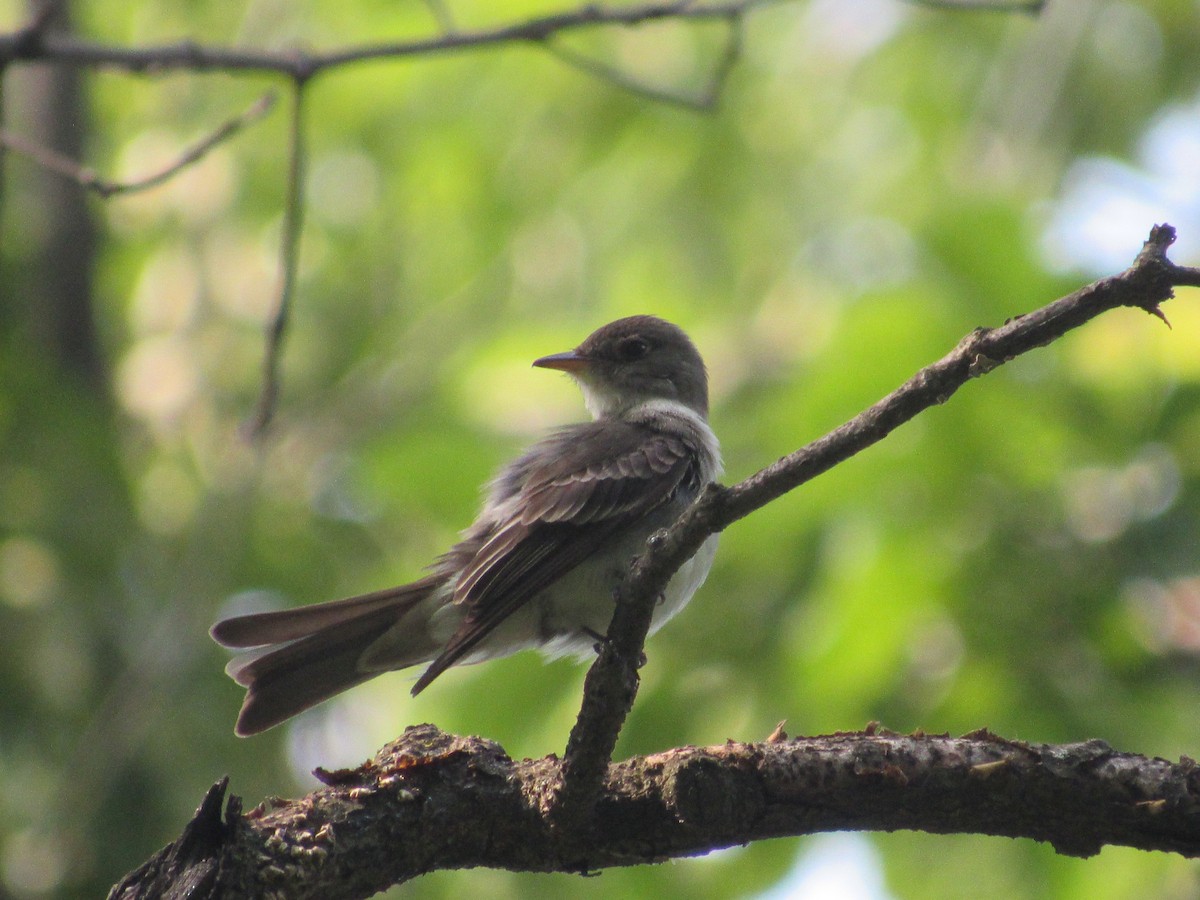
(611, 683)
(431, 801)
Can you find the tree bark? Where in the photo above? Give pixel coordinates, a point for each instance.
(430, 801)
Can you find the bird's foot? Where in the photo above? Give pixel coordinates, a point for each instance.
(603, 641)
(600, 639)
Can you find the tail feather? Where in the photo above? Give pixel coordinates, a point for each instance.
(317, 651)
(274, 627)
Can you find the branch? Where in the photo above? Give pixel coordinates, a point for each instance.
(1033, 7)
(87, 177)
(188, 866)
(442, 15)
(37, 42)
(612, 682)
(431, 801)
(289, 264)
(189, 56)
(702, 101)
(27, 40)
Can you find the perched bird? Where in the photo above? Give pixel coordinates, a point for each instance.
(538, 567)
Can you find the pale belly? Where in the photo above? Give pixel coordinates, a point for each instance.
(565, 618)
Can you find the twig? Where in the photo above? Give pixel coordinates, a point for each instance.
(3, 119)
(88, 178)
(702, 101)
(25, 40)
(442, 15)
(1033, 7)
(28, 39)
(289, 259)
(32, 42)
(188, 55)
(611, 74)
(612, 682)
(729, 59)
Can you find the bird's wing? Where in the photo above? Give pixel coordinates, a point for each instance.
(576, 490)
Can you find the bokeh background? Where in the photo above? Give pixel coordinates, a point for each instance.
(878, 179)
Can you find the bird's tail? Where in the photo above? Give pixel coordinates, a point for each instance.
(309, 654)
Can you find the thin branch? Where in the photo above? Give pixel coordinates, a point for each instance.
(729, 59)
(289, 263)
(614, 76)
(88, 178)
(1033, 7)
(442, 15)
(3, 119)
(703, 101)
(190, 56)
(28, 38)
(432, 801)
(34, 43)
(612, 682)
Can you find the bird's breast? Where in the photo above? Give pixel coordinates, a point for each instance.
(580, 605)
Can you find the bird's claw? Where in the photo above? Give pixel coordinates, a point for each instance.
(600, 639)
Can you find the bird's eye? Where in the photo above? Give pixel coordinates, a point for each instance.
(632, 348)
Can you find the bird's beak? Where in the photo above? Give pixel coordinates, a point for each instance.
(570, 361)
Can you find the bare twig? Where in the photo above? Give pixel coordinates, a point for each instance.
(1033, 7)
(729, 59)
(3, 119)
(442, 15)
(28, 39)
(289, 260)
(432, 801)
(702, 101)
(190, 56)
(611, 74)
(25, 40)
(35, 43)
(612, 682)
(88, 178)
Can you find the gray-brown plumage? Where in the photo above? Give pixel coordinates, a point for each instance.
(538, 566)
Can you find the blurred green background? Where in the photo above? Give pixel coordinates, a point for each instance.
(878, 179)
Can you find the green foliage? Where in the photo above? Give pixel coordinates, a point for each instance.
(877, 180)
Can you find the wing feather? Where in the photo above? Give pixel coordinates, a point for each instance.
(574, 492)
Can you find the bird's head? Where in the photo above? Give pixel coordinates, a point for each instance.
(632, 361)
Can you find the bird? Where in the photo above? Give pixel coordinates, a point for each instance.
(539, 566)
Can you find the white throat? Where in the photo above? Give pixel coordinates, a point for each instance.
(599, 400)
